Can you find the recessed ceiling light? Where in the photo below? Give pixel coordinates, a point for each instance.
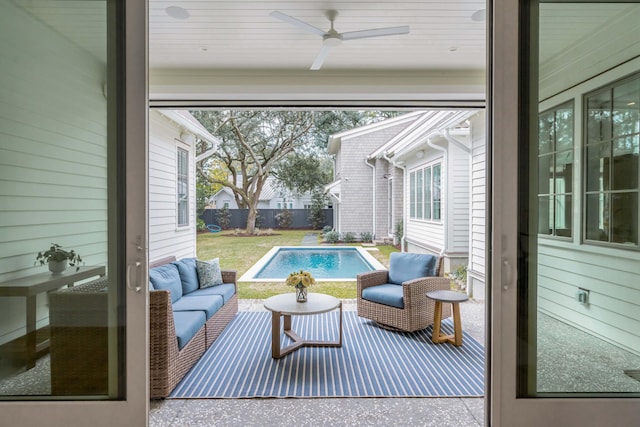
(177, 12)
(479, 15)
(453, 48)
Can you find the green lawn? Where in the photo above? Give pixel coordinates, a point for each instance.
(240, 253)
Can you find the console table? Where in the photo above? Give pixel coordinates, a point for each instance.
(30, 286)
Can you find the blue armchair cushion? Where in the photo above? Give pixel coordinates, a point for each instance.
(207, 304)
(405, 266)
(387, 294)
(167, 277)
(209, 273)
(188, 323)
(226, 291)
(188, 274)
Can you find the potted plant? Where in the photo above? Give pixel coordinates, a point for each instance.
(58, 258)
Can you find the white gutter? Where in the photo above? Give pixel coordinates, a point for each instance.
(373, 185)
(447, 135)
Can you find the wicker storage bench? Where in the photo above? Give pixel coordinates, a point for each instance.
(79, 339)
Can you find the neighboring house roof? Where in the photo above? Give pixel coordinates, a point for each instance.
(269, 191)
(430, 124)
(190, 124)
(335, 140)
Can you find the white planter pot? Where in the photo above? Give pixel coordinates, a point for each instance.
(58, 267)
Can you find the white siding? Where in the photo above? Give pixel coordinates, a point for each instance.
(477, 257)
(165, 237)
(53, 174)
(612, 275)
(457, 200)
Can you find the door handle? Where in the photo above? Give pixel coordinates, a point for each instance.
(507, 274)
(137, 286)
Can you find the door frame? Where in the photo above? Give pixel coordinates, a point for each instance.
(507, 128)
(133, 409)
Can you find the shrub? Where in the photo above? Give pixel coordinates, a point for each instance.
(459, 275)
(224, 218)
(326, 229)
(200, 225)
(399, 231)
(332, 236)
(349, 237)
(366, 237)
(316, 217)
(284, 218)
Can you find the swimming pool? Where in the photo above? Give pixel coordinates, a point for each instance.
(342, 263)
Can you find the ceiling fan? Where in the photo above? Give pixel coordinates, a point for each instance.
(332, 38)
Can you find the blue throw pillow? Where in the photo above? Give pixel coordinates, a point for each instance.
(405, 266)
(209, 273)
(188, 274)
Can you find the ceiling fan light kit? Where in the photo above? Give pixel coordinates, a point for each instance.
(332, 38)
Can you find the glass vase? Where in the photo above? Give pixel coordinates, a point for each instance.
(301, 293)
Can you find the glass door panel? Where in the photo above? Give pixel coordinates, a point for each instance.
(566, 283)
(67, 230)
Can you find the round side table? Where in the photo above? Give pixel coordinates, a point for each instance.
(455, 298)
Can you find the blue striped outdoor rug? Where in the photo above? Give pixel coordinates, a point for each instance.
(372, 362)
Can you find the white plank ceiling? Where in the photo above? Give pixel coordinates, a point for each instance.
(240, 34)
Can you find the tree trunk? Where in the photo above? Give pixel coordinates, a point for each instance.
(251, 219)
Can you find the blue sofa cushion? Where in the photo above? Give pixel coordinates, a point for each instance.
(405, 266)
(188, 323)
(209, 273)
(167, 277)
(208, 304)
(226, 291)
(188, 274)
(387, 294)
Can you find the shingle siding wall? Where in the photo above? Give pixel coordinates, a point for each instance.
(356, 209)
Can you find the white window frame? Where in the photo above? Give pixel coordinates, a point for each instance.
(417, 196)
(182, 177)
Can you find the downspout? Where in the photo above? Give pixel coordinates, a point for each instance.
(373, 185)
(403, 238)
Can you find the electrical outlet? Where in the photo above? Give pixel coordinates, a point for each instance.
(583, 296)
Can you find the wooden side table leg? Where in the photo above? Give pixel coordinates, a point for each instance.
(275, 334)
(31, 332)
(437, 319)
(457, 324)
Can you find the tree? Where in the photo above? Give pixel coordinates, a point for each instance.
(316, 216)
(303, 173)
(252, 144)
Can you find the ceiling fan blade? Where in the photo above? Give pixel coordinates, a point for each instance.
(379, 32)
(317, 63)
(298, 23)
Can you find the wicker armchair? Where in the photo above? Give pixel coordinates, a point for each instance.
(413, 310)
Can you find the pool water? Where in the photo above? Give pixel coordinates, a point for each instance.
(322, 263)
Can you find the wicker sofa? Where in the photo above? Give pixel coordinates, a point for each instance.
(184, 320)
(397, 298)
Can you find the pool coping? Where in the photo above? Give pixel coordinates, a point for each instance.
(248, 276)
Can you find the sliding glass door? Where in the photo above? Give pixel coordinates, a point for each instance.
(566, 237)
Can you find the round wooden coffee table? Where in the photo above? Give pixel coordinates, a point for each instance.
(455, 298)
(285, 305)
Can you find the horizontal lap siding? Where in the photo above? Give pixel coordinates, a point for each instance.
(53, 164)
(165, 239)
(458, 200)
(614, 285)
(477, 257)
